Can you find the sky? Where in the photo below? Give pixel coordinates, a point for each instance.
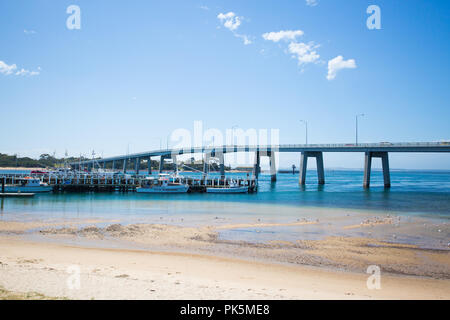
(135, 72)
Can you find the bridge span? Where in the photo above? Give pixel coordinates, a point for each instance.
(370, 150)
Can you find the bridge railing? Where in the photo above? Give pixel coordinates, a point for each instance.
(273, 148)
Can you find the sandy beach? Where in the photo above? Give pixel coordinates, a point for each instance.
(132, 274)
(158, 261)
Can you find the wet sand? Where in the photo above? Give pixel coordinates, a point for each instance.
(133, 274)
(20, 227)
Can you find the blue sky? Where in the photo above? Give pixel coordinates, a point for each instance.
(137, 70)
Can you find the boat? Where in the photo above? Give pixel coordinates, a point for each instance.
(27, 185)
(233, 187)
(163, 184)
(109, 173)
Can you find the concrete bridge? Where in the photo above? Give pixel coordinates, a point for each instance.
(371, 150)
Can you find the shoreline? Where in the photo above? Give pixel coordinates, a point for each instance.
(160, 261)
(42, 268)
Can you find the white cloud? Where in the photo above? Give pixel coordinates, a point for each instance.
(338, 63)
(311, 3)
(229, 20)
(243, 37)
(304, 52)
(282, 35)
(7, 69)
(24, 72)
(11, 69)
(21, 72)
(232, 22)
(204, 8)
(29, 31)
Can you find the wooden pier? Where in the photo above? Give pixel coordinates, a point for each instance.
(100, 182)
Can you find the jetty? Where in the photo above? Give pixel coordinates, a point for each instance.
(109, 182)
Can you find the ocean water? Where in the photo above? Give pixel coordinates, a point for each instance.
(419, 194)
(425, 193)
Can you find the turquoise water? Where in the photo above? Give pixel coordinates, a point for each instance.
(420, 198)
(419, 193)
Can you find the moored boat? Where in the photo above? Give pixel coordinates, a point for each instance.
(28, 184)
(233, 187)
(163, 184)
(227, 190)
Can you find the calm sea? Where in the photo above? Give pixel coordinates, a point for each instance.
(424, 193)
(420, 198)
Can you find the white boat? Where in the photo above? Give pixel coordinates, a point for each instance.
(28, 185)
(108, 173)
(162, 185)
(233, 187)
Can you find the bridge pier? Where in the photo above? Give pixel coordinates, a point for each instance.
(125, 162)
(221, 164)
(137, 164)
(206, 158)
(368, 167)
(273, 167)
(174, 161)
(304, 164)
(161, 162)
(149, 165)
(257, 164)
(113, 165)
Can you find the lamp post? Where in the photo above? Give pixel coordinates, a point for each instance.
(306, 130)
(356, 125)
